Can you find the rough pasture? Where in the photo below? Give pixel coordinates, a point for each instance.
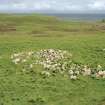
(84, 40)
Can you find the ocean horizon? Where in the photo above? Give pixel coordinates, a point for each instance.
(78, 16)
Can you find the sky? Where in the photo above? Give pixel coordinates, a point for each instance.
(53, 6)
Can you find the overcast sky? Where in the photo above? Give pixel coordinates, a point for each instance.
(64, 6)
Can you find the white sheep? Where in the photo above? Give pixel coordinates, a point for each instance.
(73, 77)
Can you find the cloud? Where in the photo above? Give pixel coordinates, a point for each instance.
(98, 5)
(55, 5)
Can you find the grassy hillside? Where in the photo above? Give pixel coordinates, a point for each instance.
(85, 40)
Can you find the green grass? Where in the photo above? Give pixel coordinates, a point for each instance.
(84, 40)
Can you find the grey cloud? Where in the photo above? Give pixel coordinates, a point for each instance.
(55, 5)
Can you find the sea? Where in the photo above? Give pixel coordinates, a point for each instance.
(78, 17)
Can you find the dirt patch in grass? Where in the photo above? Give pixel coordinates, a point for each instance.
(7, 28)
(100, 27)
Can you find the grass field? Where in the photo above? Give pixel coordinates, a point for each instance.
(85, 40)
